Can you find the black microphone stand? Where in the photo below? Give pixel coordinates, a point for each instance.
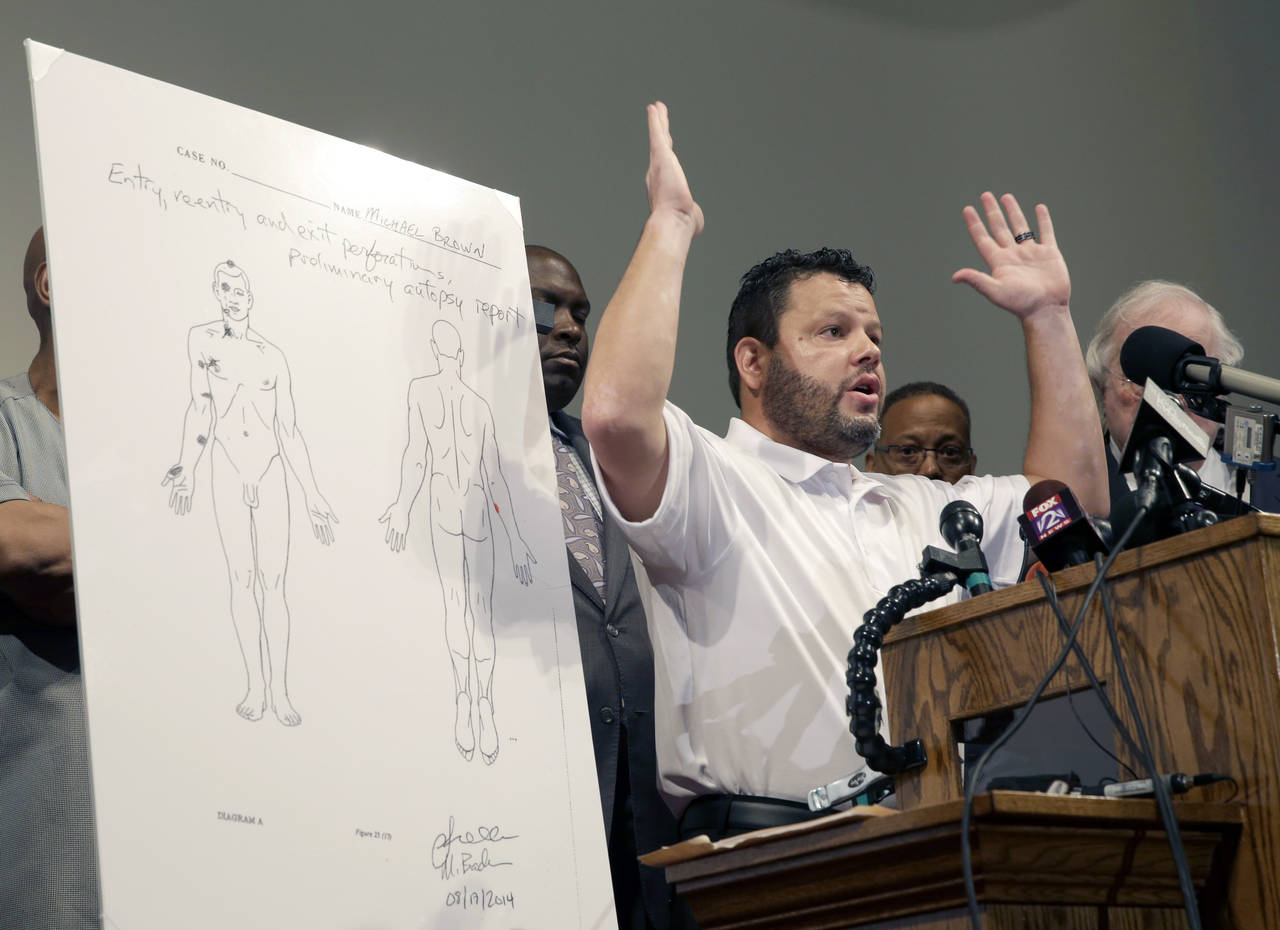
(940, 571)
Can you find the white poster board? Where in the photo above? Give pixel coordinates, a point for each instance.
(310, 472)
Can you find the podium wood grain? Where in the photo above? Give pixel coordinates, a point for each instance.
(1198, 627)
(1040, 863)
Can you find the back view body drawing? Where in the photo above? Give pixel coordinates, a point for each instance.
(242, 406)
(451, 437)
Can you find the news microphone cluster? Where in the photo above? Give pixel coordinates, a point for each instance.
(1178, 364)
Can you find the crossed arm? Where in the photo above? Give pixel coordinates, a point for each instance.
(35, 560)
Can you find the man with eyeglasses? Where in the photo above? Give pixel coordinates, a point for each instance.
(1163, 303)
(924, 430)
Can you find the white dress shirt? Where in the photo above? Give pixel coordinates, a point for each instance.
(760, 561)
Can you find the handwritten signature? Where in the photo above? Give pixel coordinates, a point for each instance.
(459, 853)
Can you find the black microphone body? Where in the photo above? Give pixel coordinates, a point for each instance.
(1179, 364)
(961, 526)
(1056, 527)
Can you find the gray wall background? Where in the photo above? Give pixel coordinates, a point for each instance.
(1148, 126)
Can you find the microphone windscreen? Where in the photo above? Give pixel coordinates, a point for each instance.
(1056, 527)
(1154, 352)
(960, 519)
(1040, 492)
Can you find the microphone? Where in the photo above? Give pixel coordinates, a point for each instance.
(1178, 364)
(1160, 416)
(961, 526)
(1056, 527)
(1168, 490)
(1175, 782)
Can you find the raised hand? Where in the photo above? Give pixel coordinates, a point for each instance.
(668, 187)
(181, 486)
(1024, 276)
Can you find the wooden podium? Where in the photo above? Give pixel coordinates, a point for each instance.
(1040, 863)
(1199, 624)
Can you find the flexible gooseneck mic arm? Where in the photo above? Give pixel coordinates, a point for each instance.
(940, 571)
(863, 704)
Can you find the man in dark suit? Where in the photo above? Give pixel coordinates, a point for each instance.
(1163, 303)
(617, 660)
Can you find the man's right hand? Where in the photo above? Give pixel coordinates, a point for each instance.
(626, 384)
(668, 187)
(182, 487)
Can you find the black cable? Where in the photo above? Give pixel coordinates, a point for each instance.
(966, 851)
(1235, 789)
(1051, 595)
(1164, 800)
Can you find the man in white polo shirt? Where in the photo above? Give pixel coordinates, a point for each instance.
(765, 547)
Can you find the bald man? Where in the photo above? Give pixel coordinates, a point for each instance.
(48, 871)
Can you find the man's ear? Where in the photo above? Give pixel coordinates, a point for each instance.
(973, 463)
(870, 461)
(44, 288)
(752, 358)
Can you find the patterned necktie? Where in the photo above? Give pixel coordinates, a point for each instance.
(581, 526)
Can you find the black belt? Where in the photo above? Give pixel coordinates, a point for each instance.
(722, 815)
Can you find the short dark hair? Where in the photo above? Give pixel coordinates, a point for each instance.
(762, 296)
(924, 389)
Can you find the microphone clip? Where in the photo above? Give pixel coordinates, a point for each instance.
(968, 565)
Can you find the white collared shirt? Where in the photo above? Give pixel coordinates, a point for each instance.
(761, 560)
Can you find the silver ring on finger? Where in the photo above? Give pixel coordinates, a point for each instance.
(1024, 236)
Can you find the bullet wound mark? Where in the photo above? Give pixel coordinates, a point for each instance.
(226, 330)
(202, 439)
(175, 471)
(206, 395)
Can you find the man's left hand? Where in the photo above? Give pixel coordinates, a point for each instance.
(1025, 276)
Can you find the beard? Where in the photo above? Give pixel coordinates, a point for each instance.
(809, 413)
